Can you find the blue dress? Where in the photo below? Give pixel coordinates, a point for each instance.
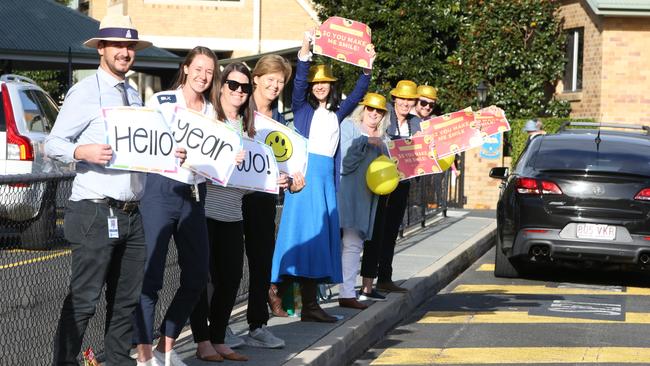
(309, 237)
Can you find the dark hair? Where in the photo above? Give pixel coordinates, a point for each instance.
(181, 77)
(333, 98)
(245, 110)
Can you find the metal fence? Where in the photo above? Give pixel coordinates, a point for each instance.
(35, 262)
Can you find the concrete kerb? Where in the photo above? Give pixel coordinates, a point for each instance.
(355, 336)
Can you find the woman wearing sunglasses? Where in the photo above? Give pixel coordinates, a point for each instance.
(361, 143)
(426, 103)
(308, 248)
(223, 208)
(270, 75)
(172, 205)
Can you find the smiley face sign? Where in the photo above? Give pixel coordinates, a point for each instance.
(280, 144)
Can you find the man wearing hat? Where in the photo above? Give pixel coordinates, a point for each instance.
(427, 98)
(534, 127)
(102, 221)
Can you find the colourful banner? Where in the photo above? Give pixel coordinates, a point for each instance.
(344, 40)
(414, 157)
(491, 120)
(453, 133)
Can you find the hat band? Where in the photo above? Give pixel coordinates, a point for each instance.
(118, 33)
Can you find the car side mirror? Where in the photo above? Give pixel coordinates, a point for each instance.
(499, 172)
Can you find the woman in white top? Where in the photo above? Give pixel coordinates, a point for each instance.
(172, 205)
(225, 228)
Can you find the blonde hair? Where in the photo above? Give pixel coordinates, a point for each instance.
(357, 117)
(272, 63)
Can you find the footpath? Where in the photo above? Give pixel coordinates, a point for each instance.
(426, 260)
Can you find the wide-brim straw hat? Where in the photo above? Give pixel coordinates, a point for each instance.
(374, 100)
(405, 89)
(117, 28)
(428, 91)
(320, 73)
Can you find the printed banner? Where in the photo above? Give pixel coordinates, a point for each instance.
(211, 145)
(259, 170)
(140, 139)
(289, 147)
(491, 120)
(344, 40)
(414, 157)
(453, 133)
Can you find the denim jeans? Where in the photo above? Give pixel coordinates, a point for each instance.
(98, 260)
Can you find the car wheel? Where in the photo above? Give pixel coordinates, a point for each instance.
(40, 234)
(503, 267)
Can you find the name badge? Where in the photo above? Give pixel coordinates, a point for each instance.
(113, 231)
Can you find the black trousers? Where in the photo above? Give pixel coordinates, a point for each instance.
(396, 205)
(226, 261)
(98, 260)
(259, 234)
(372, 247)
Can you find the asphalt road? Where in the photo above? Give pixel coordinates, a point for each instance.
(558, 317)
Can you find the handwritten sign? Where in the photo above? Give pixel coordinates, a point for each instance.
(491, 120)
(140, 139)
(414, 157)
(344, 40)
(211, 145)
(453, 133)
(289, 147)
(259, 170)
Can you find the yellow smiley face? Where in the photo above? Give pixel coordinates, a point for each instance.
(280, 144)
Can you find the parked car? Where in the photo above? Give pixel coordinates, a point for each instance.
(581, 195)
(27, 114)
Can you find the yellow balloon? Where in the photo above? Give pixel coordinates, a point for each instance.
(445, 163)
(382, 176)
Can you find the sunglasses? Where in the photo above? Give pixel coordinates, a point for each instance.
(372, 109)
(234, 85)
(424, 103)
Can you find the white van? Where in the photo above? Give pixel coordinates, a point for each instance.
(27, 114)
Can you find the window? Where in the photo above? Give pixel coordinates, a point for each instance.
(573, 68)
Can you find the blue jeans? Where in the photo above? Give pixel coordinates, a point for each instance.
(99, 260)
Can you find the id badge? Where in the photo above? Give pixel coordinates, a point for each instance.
(113, 231)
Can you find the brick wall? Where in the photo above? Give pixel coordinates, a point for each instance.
(482, 192)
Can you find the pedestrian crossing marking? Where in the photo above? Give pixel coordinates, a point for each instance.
(519, 355)
(486, 267)
(519, 317)
(544, 290)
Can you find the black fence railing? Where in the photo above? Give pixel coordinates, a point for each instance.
(35, 262)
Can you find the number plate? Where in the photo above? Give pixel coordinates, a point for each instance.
(595, 231)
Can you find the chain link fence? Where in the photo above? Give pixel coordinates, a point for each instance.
(35, 262)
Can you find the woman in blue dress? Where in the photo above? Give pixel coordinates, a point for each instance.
(308, 247)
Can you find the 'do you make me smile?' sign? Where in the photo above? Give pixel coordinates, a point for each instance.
(140, 139)
(211, 145)
(344, 40)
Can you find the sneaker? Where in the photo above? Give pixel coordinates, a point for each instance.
(263, 338)
(169, 358)
(151, 362)
(231, 340)
(373, 296)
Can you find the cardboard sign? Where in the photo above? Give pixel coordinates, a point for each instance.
(211, 145)
(453, 133)
(140, 139)
(344, 40)
(289, 147)
(414, 156)
(259, 170)
(491, 120)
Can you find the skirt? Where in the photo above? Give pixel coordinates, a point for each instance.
(309, 238)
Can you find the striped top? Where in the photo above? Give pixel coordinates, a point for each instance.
(224, 203)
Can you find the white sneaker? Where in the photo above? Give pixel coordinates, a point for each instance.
(263, 338)
(170, 358)
(231, 340)
(154, 361)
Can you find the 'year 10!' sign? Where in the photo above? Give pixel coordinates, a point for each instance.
(140, 139)
(258, 171)
(211, 145)
(344, 40)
